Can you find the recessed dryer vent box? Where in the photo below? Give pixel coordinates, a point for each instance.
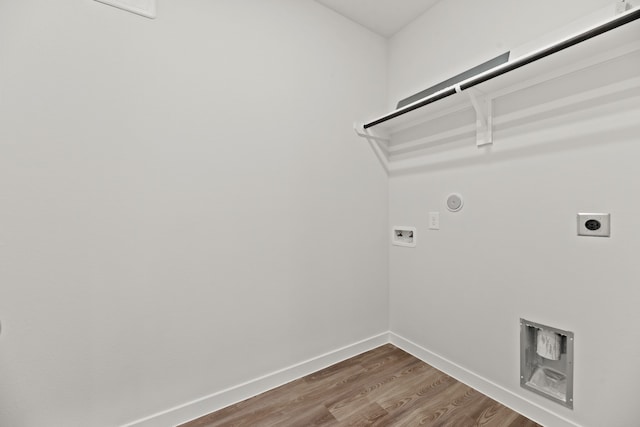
(546, 361)
(404, 236)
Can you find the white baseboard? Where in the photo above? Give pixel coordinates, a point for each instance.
(213, 402)
(498, 393)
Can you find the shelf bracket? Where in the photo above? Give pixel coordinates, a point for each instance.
(375, 143)
(484, 116)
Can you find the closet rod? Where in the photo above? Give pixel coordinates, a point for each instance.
(510, 66)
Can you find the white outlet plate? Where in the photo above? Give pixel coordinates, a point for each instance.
(404, 236)
(594, 224)
(146, 8)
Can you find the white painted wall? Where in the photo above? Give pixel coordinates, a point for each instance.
(183, 203)
(513, 251)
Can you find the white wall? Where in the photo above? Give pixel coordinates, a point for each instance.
(183, 203)
(513, 251)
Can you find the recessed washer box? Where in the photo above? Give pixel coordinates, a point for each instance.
(594, 224)
(404, 236)
(546, 361)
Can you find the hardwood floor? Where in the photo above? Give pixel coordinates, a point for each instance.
(382, 387)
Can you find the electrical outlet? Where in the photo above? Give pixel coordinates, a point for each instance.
(594, 224)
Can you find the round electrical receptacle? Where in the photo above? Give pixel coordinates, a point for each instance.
(454, 202)
(593, 224)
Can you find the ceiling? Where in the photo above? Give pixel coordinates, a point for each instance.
(385, 17)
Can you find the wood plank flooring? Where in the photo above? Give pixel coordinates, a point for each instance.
(382, 387)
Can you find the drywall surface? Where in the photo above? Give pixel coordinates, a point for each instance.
(183, 203)
(512, 251)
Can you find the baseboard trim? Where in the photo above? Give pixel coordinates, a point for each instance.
(221, 399)
(213, 402)
(529, 409)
